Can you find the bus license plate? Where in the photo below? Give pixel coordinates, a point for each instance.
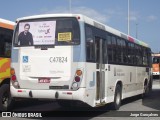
(44, 80)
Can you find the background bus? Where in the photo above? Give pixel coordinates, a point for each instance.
(76, 59)
(156, 65)
(6, 31)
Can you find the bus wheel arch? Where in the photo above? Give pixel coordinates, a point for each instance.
(117, 96)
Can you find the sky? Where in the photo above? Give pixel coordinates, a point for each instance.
(144, 14)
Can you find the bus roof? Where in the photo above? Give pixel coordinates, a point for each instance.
(156, 55)
(91, 22)
(6, 24)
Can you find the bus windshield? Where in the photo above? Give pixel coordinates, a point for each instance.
(156, 60)
(50, 31)
(5, 42)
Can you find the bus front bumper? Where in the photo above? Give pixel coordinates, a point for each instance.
(155, 73)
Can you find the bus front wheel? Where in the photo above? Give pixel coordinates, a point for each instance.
(5, 97)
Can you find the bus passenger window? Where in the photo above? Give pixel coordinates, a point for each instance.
(109, 49)
(8, 49)
(114, 48)
(89, 45)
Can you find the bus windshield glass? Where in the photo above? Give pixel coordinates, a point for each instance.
(5, 42)
(52, 31)
(156, 60)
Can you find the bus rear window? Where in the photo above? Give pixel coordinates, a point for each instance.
(57, 31)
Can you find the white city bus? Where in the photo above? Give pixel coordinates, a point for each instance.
(74, 58)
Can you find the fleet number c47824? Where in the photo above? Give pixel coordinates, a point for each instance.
(58, 59)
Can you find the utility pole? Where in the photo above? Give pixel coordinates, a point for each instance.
(136, 30)
(128, 17)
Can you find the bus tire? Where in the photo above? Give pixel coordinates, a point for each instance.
(150, 86)
(5, 97)
(117, 98)
(145, 90)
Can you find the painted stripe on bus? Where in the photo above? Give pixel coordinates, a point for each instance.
(5, 25)
(4, 68)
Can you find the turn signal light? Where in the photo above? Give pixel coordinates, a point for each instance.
(79, 72)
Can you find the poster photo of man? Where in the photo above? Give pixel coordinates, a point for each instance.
(25, 38)
(37, 33)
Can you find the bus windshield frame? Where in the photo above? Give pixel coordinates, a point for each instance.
(64, 25)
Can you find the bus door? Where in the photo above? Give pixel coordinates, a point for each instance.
(100, 69)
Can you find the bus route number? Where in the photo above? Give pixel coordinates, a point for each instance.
(58, 59)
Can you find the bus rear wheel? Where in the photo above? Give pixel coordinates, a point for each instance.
(117, 97)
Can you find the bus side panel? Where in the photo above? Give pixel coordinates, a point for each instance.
(4, 68)
(126, 75)
(90, 83)
(141, 75)
(131, 85)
